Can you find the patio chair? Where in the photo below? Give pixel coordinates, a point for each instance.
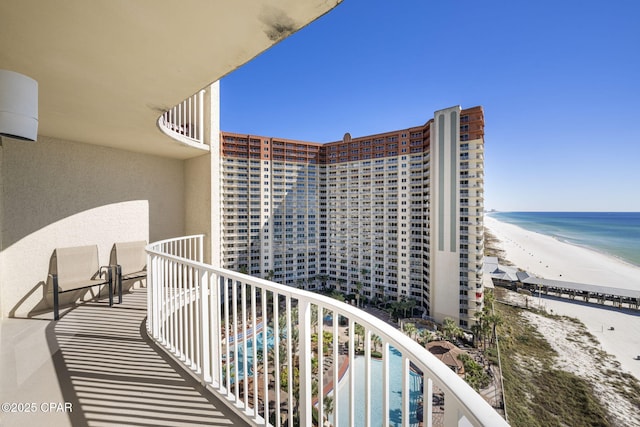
(129, 260)
(77, 268)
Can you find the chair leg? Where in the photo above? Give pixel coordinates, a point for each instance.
(119, 274)
(110, 279)
(56, 313)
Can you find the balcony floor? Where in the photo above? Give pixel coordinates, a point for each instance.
(101, 362)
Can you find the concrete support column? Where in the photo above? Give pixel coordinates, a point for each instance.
(202, 181)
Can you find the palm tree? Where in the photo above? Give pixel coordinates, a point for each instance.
(494, 320)
(424, 336)
(489, 299)
(410, 329)
(327, 405)
(479, 327)
(314, 318)
(341, 282)
(358, 292)
(396, 307)
(410, 303)
(359, 331)
(323, 280)
(376, 341)
(486, 330)
(337, 295)
(450, 329)
(269, 275)
(476, 329)
(311, 282)
(327, 340)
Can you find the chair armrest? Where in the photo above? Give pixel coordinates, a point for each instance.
(54, 281)
(107, 270)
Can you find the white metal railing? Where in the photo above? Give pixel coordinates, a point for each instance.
(257, 344)
(185, 121)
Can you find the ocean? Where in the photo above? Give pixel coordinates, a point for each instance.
(613, 233)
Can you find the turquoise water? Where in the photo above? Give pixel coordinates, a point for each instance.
(250, 340)
(395, 392)
(395, 384)
(614, 233)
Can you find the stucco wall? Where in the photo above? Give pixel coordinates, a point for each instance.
(198, 199)
(59, 193)
(444, 277)
(202, 178)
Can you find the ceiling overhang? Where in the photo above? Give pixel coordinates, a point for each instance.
(107, 69)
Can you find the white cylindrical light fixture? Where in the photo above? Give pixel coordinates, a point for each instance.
(18, 106)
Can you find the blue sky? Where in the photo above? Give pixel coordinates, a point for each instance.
(559, 82)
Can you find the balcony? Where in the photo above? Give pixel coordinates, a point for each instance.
(185, 122)
(100, 363)
(102, 360)
(219, 325)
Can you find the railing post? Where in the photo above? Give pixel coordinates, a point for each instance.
(254, 367)
(304, 314)
(451, 413)
(289, 326)
(216, 326)
(171, 316)
(179, 121)
(406, 372)
(276, 358)
(205, 322)
(199, 319)
(367, 378)
(165, 299)
(320, 353)
(265, 359)
(427, 401)
(200, 134)
(245, 351)
(336, 357)
(150, 306)
(189, 130)
(352, 377)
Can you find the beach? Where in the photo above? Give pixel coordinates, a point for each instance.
(550, 258)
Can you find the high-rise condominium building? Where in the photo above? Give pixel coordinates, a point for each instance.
(389, 216)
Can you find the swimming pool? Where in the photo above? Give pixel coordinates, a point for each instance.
(239, 369)
(395, 392)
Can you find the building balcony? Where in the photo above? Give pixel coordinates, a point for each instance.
(111, 364)
(185, 122)
(97, 365)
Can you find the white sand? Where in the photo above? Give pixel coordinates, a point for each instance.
(550, 258)
(577, 354)
(623, 341)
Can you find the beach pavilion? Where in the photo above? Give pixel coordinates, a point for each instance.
(447, 353)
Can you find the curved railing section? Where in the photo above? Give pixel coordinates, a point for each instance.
(276, 353)
(185, 122)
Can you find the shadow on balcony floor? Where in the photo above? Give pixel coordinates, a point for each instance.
(111, 373)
